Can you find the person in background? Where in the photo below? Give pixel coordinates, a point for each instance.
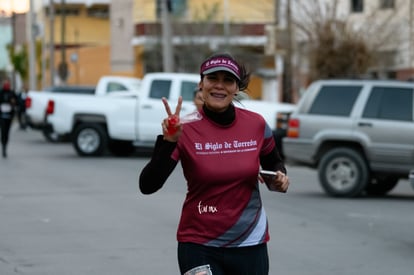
(21, 109)
(8, 101)
(223, 227)
(198, 99)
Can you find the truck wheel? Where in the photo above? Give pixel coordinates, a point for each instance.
(380, 186)
(343, 172)
(90, 139)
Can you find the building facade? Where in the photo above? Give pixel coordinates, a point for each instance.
(5, 39)
(393, 37)
(78, 43)
(198, 28)
(129, 37)
(387, 26)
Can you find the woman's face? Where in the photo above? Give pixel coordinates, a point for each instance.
(218, 90)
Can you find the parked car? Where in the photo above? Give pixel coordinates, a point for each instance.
(277, 119)
(359, 134)
(411, 177)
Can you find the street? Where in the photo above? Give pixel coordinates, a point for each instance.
(61, 214)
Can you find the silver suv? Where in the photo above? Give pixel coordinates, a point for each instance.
(358, 133)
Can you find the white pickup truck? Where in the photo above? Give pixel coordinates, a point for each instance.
(134, 120)
(37, 101)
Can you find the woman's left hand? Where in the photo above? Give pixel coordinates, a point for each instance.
(281, 182)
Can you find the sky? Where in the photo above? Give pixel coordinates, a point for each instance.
(19, 6)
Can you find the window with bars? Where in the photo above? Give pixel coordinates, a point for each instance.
(175, 7)
(99, 12)
(357, 5)
(386, 4)
(68, 11)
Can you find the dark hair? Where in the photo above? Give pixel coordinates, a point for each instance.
(244, 74)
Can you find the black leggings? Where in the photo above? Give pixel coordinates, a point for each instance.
(5, 124)
(249, 260)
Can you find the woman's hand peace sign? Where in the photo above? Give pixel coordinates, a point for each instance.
(171, 126)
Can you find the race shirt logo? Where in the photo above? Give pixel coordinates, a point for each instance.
(226, 147)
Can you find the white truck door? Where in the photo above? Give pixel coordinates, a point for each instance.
(151, 110)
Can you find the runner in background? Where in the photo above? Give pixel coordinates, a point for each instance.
(8, 102)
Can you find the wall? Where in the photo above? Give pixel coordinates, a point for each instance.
(87, 48)
(239, 11)
(5, 38)
(122, 32)
(92, 63)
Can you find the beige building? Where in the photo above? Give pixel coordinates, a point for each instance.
(85, 34)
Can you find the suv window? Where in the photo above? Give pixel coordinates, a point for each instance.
(335, 100)
(390, 103)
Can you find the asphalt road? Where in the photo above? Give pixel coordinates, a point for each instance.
(61, 214)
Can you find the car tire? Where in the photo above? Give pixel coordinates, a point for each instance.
(379, 186)
(343, 172)
(90, 139)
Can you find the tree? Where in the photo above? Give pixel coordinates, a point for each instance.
(337, 46)
(195, 42)
(338, 52)
(20, 61)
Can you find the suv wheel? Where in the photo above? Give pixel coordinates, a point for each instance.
(380, 186)
(343, 172)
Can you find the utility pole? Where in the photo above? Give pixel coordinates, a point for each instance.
(226, 24)
(287, 76)
(32, 57)
(52, 41)
(63, 66)
(167, 45)
(278, 58)
(411, 38)
(13, 25)
(273, 83)
(276, 12)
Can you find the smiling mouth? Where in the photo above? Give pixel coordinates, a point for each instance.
(217, 95)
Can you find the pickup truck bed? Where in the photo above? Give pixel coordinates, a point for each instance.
(37, 101)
